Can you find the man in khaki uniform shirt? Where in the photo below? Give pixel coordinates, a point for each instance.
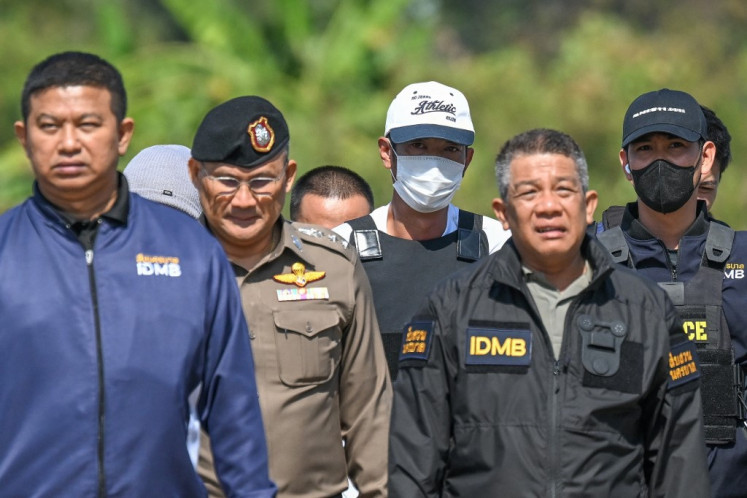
(320, 366)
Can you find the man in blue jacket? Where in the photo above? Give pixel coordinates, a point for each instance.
(114, 310)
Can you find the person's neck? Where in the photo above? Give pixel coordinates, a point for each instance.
(561, 276)
(669, 227)
(82, 206)
(405, 223)
(250, 254)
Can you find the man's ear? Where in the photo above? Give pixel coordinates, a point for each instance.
(290, 174)
(126, 129)
(470, 153)
(19, 127)
(708, 156)
(499, 208)
(592, 198)
(385, 152)
(194, 171)
(625, 165)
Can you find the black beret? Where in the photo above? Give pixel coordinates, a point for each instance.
(245, 131)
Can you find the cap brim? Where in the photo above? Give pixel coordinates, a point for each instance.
(408, 133)
(678, 131)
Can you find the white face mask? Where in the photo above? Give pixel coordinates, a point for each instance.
(427, 183)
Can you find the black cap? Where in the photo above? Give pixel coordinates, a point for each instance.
(245, 131)
(664, 111)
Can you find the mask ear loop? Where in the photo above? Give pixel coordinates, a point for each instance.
(699, 162)
(700, 156)
(396, 156)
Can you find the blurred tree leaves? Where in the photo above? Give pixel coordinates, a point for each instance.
(333, 66)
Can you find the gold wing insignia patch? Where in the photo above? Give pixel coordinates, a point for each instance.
(299, 276)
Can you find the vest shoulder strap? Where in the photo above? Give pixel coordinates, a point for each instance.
(613, 216)
(472, 243)
(362, 223)
(366, 238)
(718, 243)
(614, 240)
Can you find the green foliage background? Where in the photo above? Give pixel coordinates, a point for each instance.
(333, 66)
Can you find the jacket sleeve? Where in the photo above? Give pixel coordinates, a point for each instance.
(228, 406)
(365, 394)
(421, 414)
(675, 442)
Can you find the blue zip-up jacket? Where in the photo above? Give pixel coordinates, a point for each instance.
(727, 463)
(100, 349)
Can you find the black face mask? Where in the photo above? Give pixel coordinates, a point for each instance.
(663, 186)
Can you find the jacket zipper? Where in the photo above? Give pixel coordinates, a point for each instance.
(672, 268)
(560, 366)
(100, 366)
(554, 405)
(554, 429)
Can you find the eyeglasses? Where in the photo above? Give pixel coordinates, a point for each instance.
(228, 185)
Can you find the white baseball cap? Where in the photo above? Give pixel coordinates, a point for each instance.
(430, 110)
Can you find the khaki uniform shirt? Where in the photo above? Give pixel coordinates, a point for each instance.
(552, 303)
(320, 367)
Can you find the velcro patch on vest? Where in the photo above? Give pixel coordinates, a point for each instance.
(694, 323)
(505, 347)
(628, 378)
(683, 364)
(416, 341)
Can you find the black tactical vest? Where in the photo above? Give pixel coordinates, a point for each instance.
(402, 272)
(699, 305)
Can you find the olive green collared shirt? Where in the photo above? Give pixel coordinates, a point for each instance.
(553, 304)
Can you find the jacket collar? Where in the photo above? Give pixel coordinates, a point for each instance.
(117, 214)
(505, 265)
(631, 225)
(288, 239)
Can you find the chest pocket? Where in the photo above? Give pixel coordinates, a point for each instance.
(308, 345)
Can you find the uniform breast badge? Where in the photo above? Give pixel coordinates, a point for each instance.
(300, 277)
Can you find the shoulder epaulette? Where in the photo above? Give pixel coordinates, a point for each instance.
(319, 236)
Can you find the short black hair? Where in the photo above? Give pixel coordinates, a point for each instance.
(329, 182)
(75, 69)
(719, 135)
(538, 141)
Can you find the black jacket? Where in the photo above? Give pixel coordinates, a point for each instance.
(483, 408)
